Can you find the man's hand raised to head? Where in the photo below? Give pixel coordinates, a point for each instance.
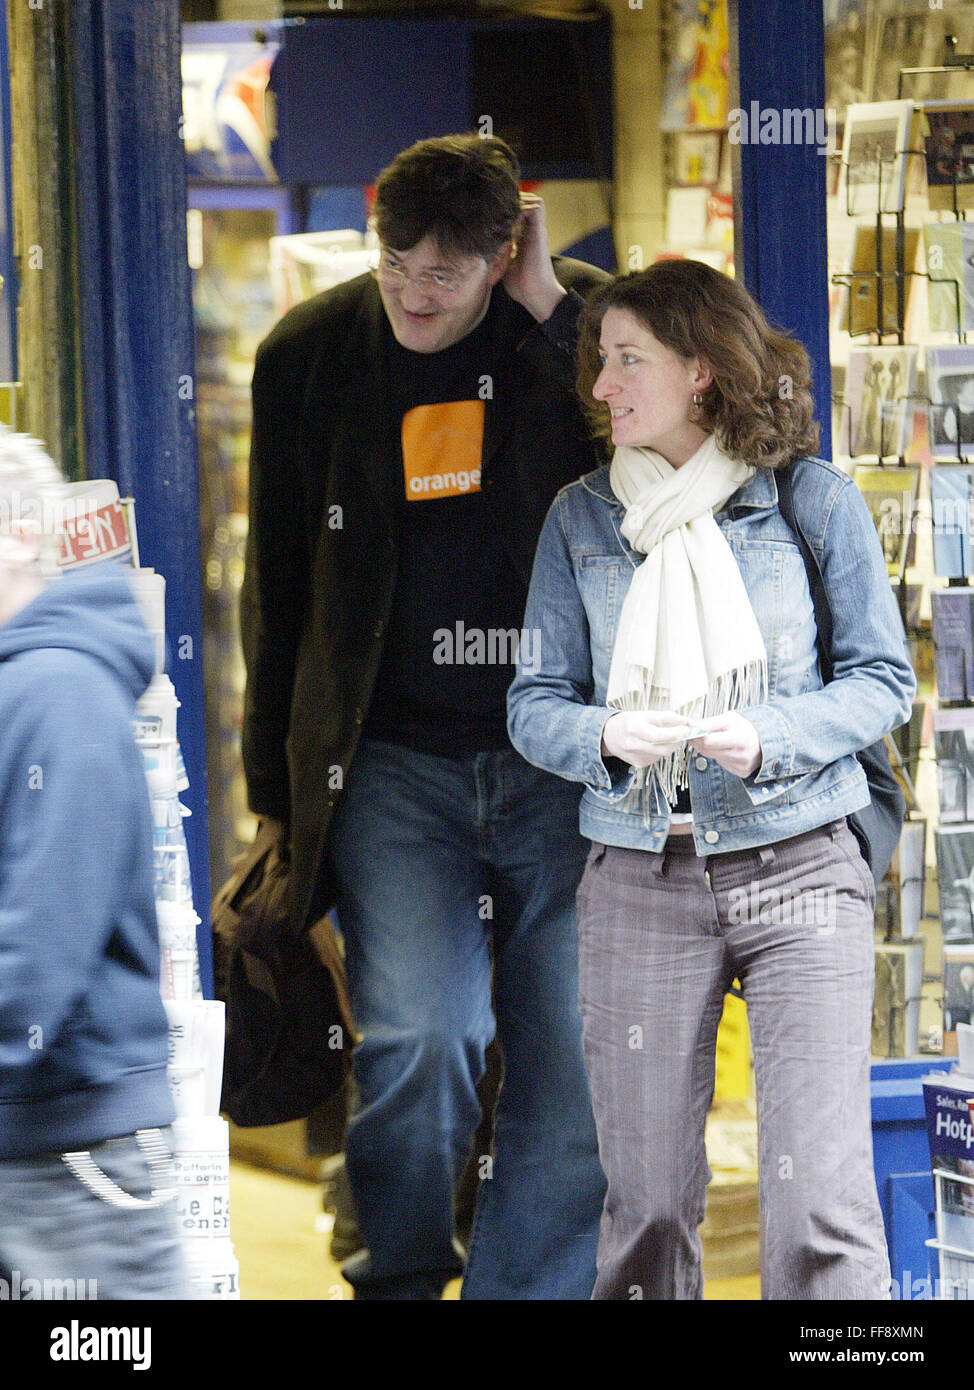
(530, 278)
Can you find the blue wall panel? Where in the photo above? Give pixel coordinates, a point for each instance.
(333, 79)
(8, 266)
(137, 332)
(778, 61)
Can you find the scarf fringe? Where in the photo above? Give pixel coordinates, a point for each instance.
(736, 689)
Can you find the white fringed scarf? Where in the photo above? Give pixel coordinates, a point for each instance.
(688, 640)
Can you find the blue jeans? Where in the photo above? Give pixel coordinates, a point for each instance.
(60, 1239)
(455, 875)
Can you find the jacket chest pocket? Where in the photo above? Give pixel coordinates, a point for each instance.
(776, 580)
(603, 582)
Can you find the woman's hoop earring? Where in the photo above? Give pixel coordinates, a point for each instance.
(697, 400)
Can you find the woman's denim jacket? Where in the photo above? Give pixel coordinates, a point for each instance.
(809, 774)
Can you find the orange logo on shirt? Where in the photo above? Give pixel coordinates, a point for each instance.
(441, 449)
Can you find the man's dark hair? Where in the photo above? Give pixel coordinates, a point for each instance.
(460, 189)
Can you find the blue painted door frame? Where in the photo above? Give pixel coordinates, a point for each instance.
(778, 62)
(8, 266)
(137, 331)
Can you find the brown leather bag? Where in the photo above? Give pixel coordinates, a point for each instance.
(289, 1028)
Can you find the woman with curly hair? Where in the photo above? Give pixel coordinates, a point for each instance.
(677, 678)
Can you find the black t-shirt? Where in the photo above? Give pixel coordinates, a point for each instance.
(456, 618)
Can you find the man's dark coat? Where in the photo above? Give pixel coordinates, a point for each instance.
(325, 485)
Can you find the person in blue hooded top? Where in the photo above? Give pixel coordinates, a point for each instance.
(86, 1187)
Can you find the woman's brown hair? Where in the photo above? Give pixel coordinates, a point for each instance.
(759, 404)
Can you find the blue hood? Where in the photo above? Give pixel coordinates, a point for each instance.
(91, 610)
(82, 1027)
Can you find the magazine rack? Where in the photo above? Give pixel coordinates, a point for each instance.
(954, 1241)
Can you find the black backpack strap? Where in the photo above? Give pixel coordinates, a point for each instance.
(816, 581)
(877, 826)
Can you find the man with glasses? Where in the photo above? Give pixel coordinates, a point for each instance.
(410, 431)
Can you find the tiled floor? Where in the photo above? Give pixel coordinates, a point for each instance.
(283, 1256)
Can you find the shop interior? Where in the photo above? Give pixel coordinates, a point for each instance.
(666, 188)
(623, 114)
(599, 155)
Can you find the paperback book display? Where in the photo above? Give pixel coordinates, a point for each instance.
(99, 527)
(958, 987)
(953, 738)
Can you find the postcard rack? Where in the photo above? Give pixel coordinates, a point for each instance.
(897, 373)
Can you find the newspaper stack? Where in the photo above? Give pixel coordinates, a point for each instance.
(96, 525)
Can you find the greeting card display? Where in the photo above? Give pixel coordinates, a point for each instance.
(900, 896)
(877, 136)
(958, 986)
(955, 874)
(950, 386)
(696, 156)
(953, 738)
(695, 95)
(951, 495)
(952, 612)
(950, 292)
(896, 998)
(891, 495)
(875, 279)
(879, 382)
(949, 150)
